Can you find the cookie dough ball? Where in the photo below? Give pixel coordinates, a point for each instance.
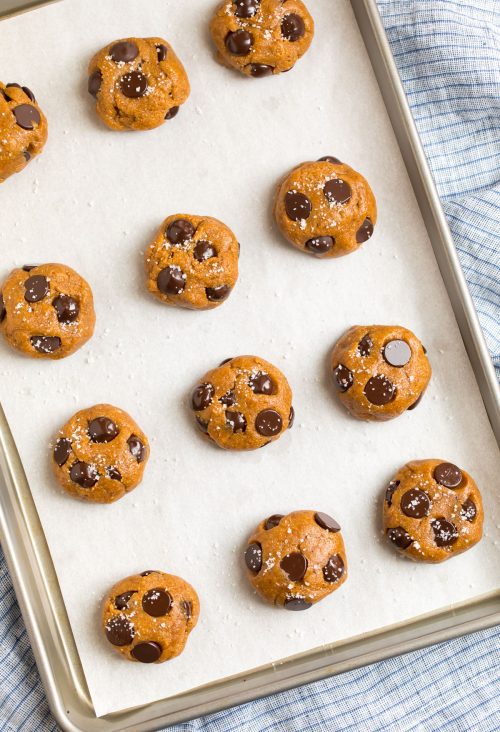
(138, 83)
(325, 208)
(261, 37)
(295, 561)
(100, 454)
(192, 262)
(244, 404)
(46, 311)
(23, 129)
(380, 371)
(149, 616)
(432, 511)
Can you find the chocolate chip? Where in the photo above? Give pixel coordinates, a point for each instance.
(202, 396)
(27, 117)
(415, 503)
(391, 488)
(297, 603)
(246, 8)
(27, 156)
(261, 383)
(187, 608)
(171, 281)
(268, 423)
(291, 418)
(260, 70)
(337, 191)
(320, 244)
(84, 474)
(229, 399)
(3, 311)
(203, 426)
(161, 51)
(157, 602)
(29, 267)
(67, 308)
(253, 557)
(45, 344)
(146, 652)
(226, 360)
(203, 251)
(147, 572)
(333, 569)
(137, 448)
(239, 42)
(329, 159)
(5, 95)
(121, 601)
(62, 451)
(217, 294)
(29, 93)
(379, 390)
(237, 421)
(180, 231)
(172, 112)
(113, 473)
(399, 537)
(415, 404)
(36, 288)
(134, 84)
(448, 475)
(95, 81)
(13, 84)
(397, 353)
(119, 630)
(326, 522)
(292, 27)
(445, 533)
(124, 51)
(343, 377)
(365, 231)
(365, 345)
(297, 206)
(102, 429)
(273, 521)
(295, 566)
(468, 512)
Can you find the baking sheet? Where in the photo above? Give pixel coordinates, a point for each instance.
(93, 200)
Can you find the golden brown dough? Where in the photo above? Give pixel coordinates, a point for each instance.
(295, 561)
(100, 454)
(244, 404)
(149, 616)
(379, 371)
(261, 37)
(46, 311)
(192, 262)
(23, 129)
(432, 511)
(325, 208)
(138, 83)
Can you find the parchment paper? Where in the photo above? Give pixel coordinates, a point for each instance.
(93, 200)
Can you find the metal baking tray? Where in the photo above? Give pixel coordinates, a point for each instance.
(29, 560)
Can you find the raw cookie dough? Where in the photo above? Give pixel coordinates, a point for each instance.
(432, 511)
(243, 404)
(23, 129)
(325, 208)
(46, 310)
(261, 37)
(100, 454)
(192, 262)
(295, 561)
(379, 371)
(138, 83)
(148, 617)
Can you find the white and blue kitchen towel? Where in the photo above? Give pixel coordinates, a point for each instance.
(448, 54)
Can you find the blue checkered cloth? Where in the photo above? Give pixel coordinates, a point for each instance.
(448, 54)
